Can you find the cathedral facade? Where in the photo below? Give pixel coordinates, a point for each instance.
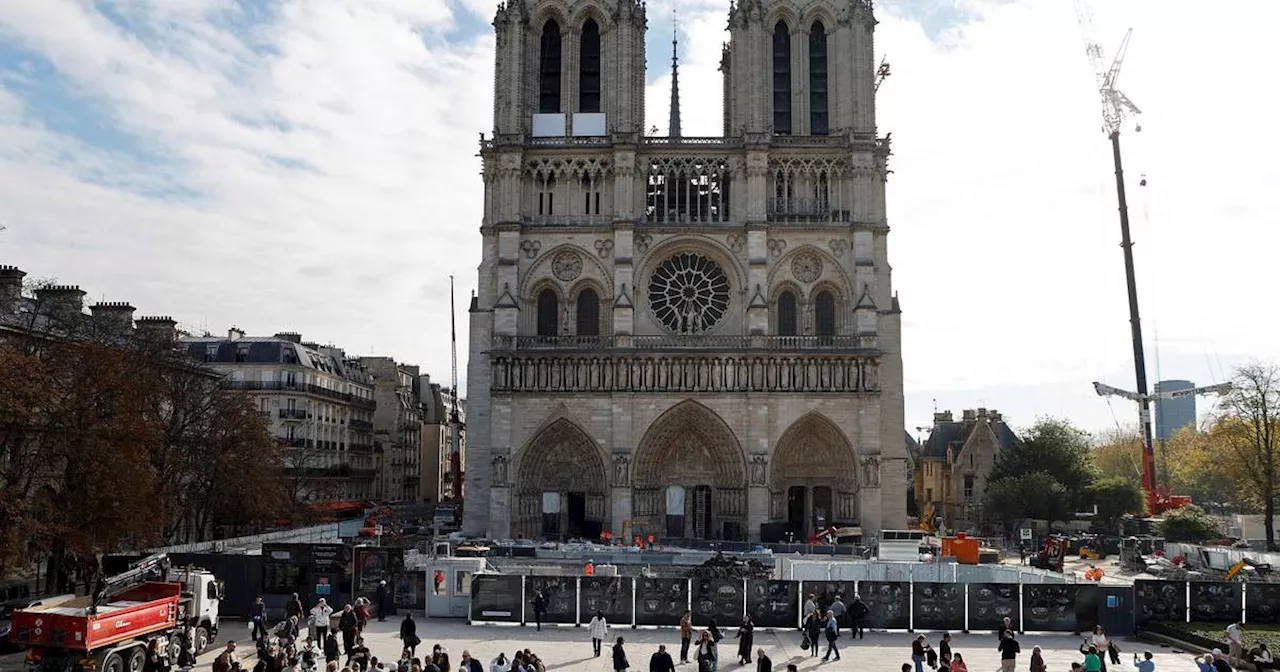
(684, 336)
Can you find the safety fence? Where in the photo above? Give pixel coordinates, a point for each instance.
(893, 605)
(1211, 601)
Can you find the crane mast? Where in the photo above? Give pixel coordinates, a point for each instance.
(455, 419)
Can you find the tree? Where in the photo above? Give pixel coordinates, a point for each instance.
(1189, 524)
(1055, 447)
(1116, 497)
(1251, 432)
(1033, 495)
(1119, 455)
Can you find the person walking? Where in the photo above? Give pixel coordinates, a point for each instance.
(293, 608)
(383, 594)
(619, 657)
(858, 610)
(539, 608)
(686, 633)
(409, 634)
(661, 661)
(331, 651)
(810, 604)
(832, 629)
(763, 664)
(813, 626)
(957, 663)
(350, 627)
(746, 637)
(1009, 649)
(1235, 643)
(707, 656)
(258, 616)
(1037, 660)
(599, 629)
(917, 652)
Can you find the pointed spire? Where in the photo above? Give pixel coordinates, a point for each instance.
(673, 125)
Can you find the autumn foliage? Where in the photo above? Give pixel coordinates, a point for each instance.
(122, 445)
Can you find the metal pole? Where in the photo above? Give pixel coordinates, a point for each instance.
(1135, 323)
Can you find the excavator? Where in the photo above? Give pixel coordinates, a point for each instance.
(1241, 568)
(1053, 553)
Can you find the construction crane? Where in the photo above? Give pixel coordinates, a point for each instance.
(882, 72)
(455, 419)
(1116, 108)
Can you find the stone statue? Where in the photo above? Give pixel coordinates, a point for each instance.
(758, 470)
(621, 469)
(871, 471)
(499, 470)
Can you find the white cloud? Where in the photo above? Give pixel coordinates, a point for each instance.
(1004, 239)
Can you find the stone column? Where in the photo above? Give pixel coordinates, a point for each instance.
(620, 494)
(757, 494)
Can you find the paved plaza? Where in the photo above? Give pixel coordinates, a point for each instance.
(569, 648)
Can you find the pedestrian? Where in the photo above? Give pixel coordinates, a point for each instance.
(470, 664)
(763, 664)
(714, 629)
(258, 619)
(1037, 660)
(539, 608)
(227, 659)
(358, 658)
(858, 611)
(661, 661)
(1105, 645)
(1144, 665)
(813, 626)
(319, 621)
(599, 629)
(330, 647)
(957, 663)
(350, 627)
(707, 656)
(1235, 643)
(745, 637)
(409, 633)
(1009, 650)
(501, 664)
(294, 607)
(1006, 627)
(810, 604)
(837, 608)
(383, 594)
(1093, 659)
(362, 614)
(944, 647)
(686, 633)
(619, 657)
(833, 632)
(918, 646)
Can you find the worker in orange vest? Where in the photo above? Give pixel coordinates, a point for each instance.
(590, 569)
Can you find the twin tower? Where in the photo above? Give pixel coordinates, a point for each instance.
(791, 67)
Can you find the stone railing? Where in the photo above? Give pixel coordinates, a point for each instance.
(674, 343)
(816, 373)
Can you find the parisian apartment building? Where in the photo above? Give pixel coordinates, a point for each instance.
(398, 429)
(437, 447)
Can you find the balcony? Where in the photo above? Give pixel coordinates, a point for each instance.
(662, 342)
(567, 220)
(361, 426)
(294, 414)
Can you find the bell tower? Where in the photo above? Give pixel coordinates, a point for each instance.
(569, 68)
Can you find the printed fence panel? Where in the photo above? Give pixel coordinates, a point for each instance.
(661, 601)
(937, 606)
(1263, 602)
(562, 598)
(1089, 600)
(825, 593)
(723, 600)
(991, 603)
(1160, 601)
(496, 598)
(889, 602)
(1049, 607)
(608, 594)
(773, 604)
(1216, 601)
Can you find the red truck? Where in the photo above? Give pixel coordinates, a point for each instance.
(111, 631)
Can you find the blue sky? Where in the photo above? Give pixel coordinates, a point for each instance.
(309, 165)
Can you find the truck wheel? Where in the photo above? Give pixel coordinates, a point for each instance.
(202, 640)
(136, 659)
(113, 663)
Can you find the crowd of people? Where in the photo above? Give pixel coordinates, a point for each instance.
(309, 640)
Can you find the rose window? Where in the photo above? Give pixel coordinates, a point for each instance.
(689, 293)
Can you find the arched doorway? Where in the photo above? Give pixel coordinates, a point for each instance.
(561, 485)
(690, 475)
(815, 477)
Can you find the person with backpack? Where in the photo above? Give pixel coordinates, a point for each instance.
(813, 625)
(225, 659)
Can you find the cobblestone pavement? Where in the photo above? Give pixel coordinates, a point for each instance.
(569, 648)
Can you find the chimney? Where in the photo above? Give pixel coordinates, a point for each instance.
(292, 337)
(63, 303)
(234, 334)
(982, 412)
(995, 415)
(161, 329)
(969, 416)
(944, 416)
(114, 318)
(10, 287)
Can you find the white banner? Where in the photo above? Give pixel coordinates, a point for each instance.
(675, 500)
(551, 502)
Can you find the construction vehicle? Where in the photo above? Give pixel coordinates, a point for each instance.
(1053, 554)
(1247, 570)
(111, 630)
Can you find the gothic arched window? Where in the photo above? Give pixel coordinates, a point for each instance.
(781, 79)
(589, 68)
(824, 313)
(818, 79)
(786, 314)
(549, 69)
(548, 313)
(588, 313)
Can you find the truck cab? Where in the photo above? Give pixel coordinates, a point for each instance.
(202, 593)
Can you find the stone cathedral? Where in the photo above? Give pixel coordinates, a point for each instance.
(685, 337)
